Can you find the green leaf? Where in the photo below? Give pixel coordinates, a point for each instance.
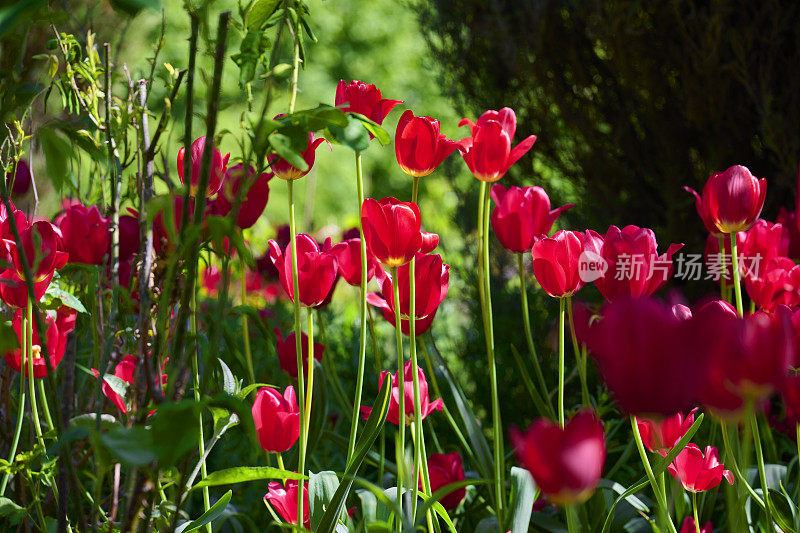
(8, 337)
(228, 380)
(117, 384)
(283, 146)
(132, 7)
(523, 493)
(321, 488)
(13, 513)
(319, 118)
(56, 292)
(214, 512)
(131, 446)
(175, 427)
(242, 474)
(57, 153)
(89, 420)
(260, 12)
(374, 128)
(353, 136)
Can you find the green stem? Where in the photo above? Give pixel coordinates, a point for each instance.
(730, 458)
(414, 188)
(280, 461)
(573, 522)
(528, 335)
(762, 474)
(401, 415)
(18, 429)
(310, 385)
(31, 380)
(694, 510)
(661, 498)
(561, 307)
(723, 280)
(412, 332)
(45, 408)
(201, 443)
(245, 329)
(579, 359)
(362, 341)
(736, 282)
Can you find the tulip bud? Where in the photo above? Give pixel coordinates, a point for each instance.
(731, 201)
(662, 435)
(216, 171)
(365, 99)
(426, 406)
(277, 419)
(85, 234)
(287, 354)
(419, 146)
(445, 469)
(316, 269)
(392, 230)
(522, 214)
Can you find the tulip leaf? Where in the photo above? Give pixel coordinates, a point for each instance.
(131, 446)
(433, 501)
(319, 118)
(353, 136)
(523, 494)
(8, 337)
(242, 474)
(11, 512)
(259, 12)
(319, 414)
(213, 513)
(374, 128)
(117, 385)
(229, 383)
(57, 293)
(175, 427)
(321, 488)
(283, 146)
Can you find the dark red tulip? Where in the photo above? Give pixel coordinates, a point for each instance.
(283, 497)
(365, 99)
(521, 215)
(348, 257)
(419, 146)
(445, 469)
(789, 221)
(556, 262)
(252, 204)
(125, 370)
(665, 433)
(59, 324)
(392, 230)
(432, 280)
(488, 151)
(566, 463)
(778, 283)
(698, 471)
(216, 171)
(287, 354)
(316, 269)
(426, 406)
(285, 171)
(277, 419)
(22, 179)
(166, 233)
(264, 263)
(731, 201)
(790, 395)
(681, 312)
(128, 235)
(85, 234)
(689, 527)
(763, 241)
(634, 267)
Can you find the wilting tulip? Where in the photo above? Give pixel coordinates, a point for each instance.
(426, 406)
(566, 463)
(277, 419)
(634, 267)
(646, 356)
(522, 214)
(689, 527)
(556, 261)
(85, 233)
(663, 434)
(445, 469)
(365, 99)
(316, 269)
(285, 170)
(283, 497)
(392, 230)
(731, 200)
(252, 204)
(216, 172)
(778, 283)
(348, 257)
(59, 325)
(419, 146)
(790, 395)
(128, 235)
(488, 151)
(432, 280)
(696, 471)
(287, 355)
(22, 179)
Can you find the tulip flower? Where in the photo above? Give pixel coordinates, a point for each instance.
(778, 283)
(426, 406)
(488, 151)
(731, 200)
(128, 235)
(566, 463)
(210, 279)
(264, 263)
(365, 99)
(277, 419)
(432, 280)
(316, 269)
(392, 230)
(689, 527)
(85, 233)
(283, 497)
(445, 469)
(216, 171)
(125, 370)
(634, 267)
(348, 257)
(698, 471)
(789, 221)
(165, 233)
(790, 395)
(763, 241)
(419, 146)
(21, 182)
(58, 326)
(664, 434)
(252, 204)
(522, 214)
(287, 356)
(285, 170)
(556, 261)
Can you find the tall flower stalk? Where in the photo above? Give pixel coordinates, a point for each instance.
(401, 427)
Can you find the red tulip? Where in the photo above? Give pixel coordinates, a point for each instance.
(429, 242)
(348, 257)
(432, 280)
(316, 270)
(277, 419)
(264, 263)
(731, 201)
(789, 221)
(165, 234)
(128, 235)
(287, 354)
(663, 434)
(216, 171)
(790, 395)
(681, 312)
(21, 181)
(488, 151)
(556, 261)
(778, 283)
(689, 527)
(445, 469)
(764, 241)
(419, 146)
(285, 171)
(59, 325)
(125, 370)
(210, 280)
(698, 471)
(566, 463)
(425, 405)
(634, 267)
(392, 230)
(252, 204)
(283, 498)
(85, 234)
(364, 99)
(522, 214)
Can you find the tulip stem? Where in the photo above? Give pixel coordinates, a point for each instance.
(694, 510)
(661, 497)
(29, 362)
(523, 291)
(362, 342)
(45, 408)
(310, 385)
(730, 455)
(245, 330)
(580, 357)
(573, 522)
(412, 333)
(18, 430)
(762, 474)
(401, 415)
(736, 282)
(201, 443)
(561, 308)
(414, 188)
(723, 280)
